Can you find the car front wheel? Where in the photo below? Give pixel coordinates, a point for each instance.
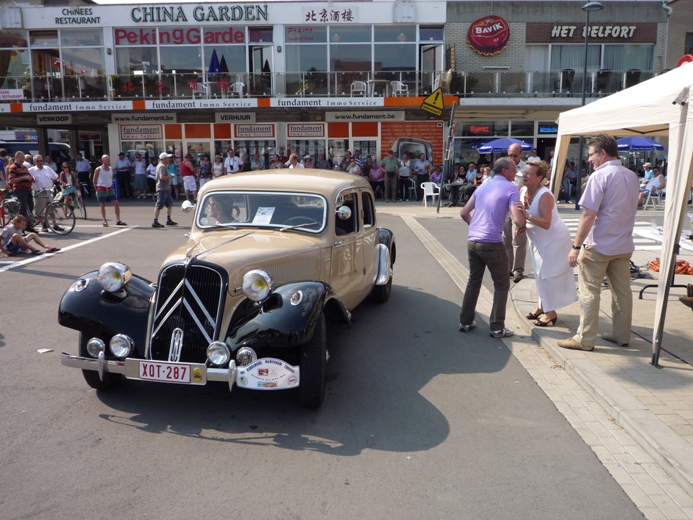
(312, 363)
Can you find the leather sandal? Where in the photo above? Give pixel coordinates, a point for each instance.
(532, 316)
(540, 323)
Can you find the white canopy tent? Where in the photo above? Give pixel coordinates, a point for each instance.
(657, 107)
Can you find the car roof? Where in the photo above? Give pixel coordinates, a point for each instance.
(309, 180)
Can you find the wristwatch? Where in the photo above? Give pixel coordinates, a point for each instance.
(576, 247)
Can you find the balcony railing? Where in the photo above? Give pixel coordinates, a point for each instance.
(481, 84)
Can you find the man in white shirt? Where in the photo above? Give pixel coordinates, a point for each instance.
(293, 161)
(232, 163)
(657, 183)
(83, 168)
(534, 156)
(43, 189)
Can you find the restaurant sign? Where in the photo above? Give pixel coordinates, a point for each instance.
(200, 13)
(545, 32)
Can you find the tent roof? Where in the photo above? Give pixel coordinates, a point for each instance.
(644, 109)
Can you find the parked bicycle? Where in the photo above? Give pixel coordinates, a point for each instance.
(58, 216)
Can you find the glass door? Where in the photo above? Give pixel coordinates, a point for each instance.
(261, 67)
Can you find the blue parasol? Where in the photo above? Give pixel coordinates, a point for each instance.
(501, 145)
(638, 144)
(214, 67)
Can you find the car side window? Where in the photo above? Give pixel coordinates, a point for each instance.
(368, 210)
(350, 225)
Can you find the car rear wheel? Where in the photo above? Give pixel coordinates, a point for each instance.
(312, 364)
(92, 376)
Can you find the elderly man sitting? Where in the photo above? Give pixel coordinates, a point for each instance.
(657, 183)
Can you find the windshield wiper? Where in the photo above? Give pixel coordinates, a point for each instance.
(299, 226)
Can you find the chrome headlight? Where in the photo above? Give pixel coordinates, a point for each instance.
(95, 346)
(245, 356)
(257, 285)
(113, 276)
(218, 353)
(121, 345)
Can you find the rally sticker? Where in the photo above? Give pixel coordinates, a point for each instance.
(268, 374)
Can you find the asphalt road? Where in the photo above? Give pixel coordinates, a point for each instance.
(419, 420)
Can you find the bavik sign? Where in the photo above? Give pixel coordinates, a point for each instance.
(488, 35)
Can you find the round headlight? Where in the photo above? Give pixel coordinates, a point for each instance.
(218, 353)
(121, 345)
(113, 276)
(245, 356)
(95, 346)
(257, 285)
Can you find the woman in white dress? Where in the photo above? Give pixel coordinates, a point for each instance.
(550, 244)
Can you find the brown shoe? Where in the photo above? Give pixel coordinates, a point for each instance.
(573, 344)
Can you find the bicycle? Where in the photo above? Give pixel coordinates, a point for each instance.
(76, 201)
(58, 216)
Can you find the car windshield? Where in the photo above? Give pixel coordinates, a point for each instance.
(305, 212)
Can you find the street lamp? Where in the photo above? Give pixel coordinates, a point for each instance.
(589, 7)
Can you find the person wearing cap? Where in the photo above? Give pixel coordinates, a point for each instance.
(187, 170)
(308, 162)
(123, 175)
(293, 161)
(163, 191)
(390, 164)
(533, 157)
(649, 172)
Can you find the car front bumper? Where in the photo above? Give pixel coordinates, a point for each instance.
(263, 374)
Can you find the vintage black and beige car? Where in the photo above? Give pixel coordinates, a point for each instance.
(270, 258)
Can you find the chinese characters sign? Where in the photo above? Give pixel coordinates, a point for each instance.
(330, 15)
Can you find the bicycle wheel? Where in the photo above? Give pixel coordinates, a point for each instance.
(82, 207)
(60, 218)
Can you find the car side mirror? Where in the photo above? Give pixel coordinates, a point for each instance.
(343, 212)
(187, 206)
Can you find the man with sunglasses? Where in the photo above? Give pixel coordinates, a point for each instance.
(603, 245)
(515, 243)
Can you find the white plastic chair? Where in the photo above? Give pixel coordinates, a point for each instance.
(430, 189)
(655, 197)
(411, 189)
(201, 89)
(397, 88)
(236, 89)
(358, 88)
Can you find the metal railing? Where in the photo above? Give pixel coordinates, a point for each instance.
(564, 83)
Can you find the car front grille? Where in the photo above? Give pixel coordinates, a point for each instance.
(187, 313)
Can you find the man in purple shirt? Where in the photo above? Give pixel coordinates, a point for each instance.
(491, 202)
(603, 245)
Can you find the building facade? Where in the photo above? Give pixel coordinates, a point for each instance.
(318, 78)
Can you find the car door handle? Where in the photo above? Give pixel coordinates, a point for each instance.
(339, 242)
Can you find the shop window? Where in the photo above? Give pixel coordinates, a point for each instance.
(431, 33)
(395, 59)
(573, 57)
(258, 35)
(351, 59)
(395, 33)
(44, 39)
(81, 37)
(185, 59)
(350, 33)
(14, 60)
(484, 129)
(305, 34)
(627, 57)
(230, 59)
(131, 59)
(522, 128)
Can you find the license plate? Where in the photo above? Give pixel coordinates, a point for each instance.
(166, 372)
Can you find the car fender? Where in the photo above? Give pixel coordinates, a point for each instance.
(88, 308)
(280, 322)
(387, 238)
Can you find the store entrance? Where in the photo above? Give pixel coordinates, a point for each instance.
(545, 146)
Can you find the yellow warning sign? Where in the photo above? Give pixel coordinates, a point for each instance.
(434, 103)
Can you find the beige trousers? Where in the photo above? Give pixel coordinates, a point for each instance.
(592, 268)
